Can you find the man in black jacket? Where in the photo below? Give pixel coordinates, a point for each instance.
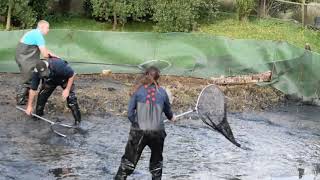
(54, 72)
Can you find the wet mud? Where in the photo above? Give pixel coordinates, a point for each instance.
(284, 138)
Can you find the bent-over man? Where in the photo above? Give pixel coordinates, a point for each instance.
(53, 72)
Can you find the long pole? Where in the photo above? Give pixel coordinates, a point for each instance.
(303, 12)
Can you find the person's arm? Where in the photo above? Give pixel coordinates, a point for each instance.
(132, 108)
(66, 91)
(42, 47)
(32, 94)
(167, 108)
(46, 53)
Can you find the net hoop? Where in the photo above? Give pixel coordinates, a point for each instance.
(203, 89)
(142, 66)
(62, 125)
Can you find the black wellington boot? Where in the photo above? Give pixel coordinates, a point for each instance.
(22, 95)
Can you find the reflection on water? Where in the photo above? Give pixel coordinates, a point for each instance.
(285, 145)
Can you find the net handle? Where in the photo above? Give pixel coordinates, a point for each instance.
(48, 121)
(185, 113)
(140, 66)
(196, 108)
(107, 64)
(180, 115)
(37, 116)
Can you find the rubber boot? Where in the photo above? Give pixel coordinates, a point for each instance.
(43, 96)
(22, 94)
(39, 110)
(75, 112)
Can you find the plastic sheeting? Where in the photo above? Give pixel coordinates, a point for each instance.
(190, 54)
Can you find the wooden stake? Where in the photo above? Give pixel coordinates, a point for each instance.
(303, 11)
(8, 25)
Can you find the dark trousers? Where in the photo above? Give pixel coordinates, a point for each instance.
(27, 57)
(137, 141)
(24, 87)
(44, 94)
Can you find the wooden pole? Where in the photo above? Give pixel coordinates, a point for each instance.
(305, 13)
(8, 25)
(114, 13)
(303, 5)
(114, 26)
(264, 8)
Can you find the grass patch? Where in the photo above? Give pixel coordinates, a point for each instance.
(263, 29)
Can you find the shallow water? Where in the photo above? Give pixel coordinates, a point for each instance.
(284, 143)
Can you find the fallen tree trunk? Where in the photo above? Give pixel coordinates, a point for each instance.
(243, 79)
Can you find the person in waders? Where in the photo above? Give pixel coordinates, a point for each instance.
(148, 102)
(53, 72)
(28, 51)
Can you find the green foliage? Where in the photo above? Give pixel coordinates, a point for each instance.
(140, 9)
(39, 7)
(120, 10)
(174, 15)
(182, 15)
(208, 10)
(101, 9)
(80, 23)
(169, 15)
(244, 8)
(22, 14)
(87, 6)
(107, 9)
(3, 7)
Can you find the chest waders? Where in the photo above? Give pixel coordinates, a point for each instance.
(26, 57)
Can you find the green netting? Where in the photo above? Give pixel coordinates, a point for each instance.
(198, 55)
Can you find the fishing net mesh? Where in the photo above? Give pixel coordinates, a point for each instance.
(211, 107)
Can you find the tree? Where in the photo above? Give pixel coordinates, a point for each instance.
(244, 8)
(40, 7)
(87, 7)
(19, 11)
(115, 10)
(182, 15)
(140, 9)
(169, 15)
(8, 24)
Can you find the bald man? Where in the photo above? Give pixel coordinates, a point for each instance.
(28, 52)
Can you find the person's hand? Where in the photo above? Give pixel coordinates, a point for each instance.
(51, 55)
(29, 110)
(173, 119)
(65, 94)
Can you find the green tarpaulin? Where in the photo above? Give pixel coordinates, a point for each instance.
(190, 54)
